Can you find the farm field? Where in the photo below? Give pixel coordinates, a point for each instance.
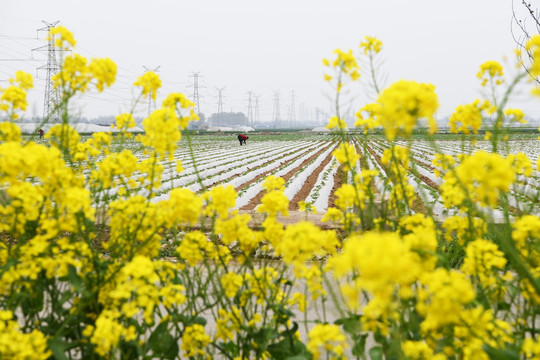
(312, 174)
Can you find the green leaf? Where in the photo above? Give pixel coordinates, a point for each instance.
(190, 320)
(75, 279)
(351, 325)
(502, 354)
(376, 353)
(264, 335)
(58, 348)
(289, 347)
(359, 345)
(230, 348)
(379, 338)
(305, 356)
(163, 343)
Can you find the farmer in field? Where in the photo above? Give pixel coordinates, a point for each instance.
(41, 132)
(242, 138)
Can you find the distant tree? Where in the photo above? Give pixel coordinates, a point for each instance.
(104, 120)
(228, 118)
(525, 24)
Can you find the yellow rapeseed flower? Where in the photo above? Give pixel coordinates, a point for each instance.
(273, 203)
(467, 118)
(23, 80)
(370, 120)
(150, 83)
(104, 71)
(9, 132)
(490, 71)
(219, 200)
(273, 182)
(326, 339)
(161, 132)
(483, 259)
(533, 47)
(337, 123)
(15, 344)
(403, 103)
(481, 177)
(346, 155)
(371, 45)
(442, 298)
(63, 38)
(231, 282)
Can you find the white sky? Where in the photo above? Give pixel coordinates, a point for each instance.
(265, 46)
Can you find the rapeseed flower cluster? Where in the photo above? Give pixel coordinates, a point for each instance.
(371, 45)
(63, 38)
(369, 121)
(194, 341)
(77, 74)
(402, 104)
(13, 99)
(274, 202)
(344, 64)
(490, 71)
(346, 155)
(468, 118)
(480, 178)
(150, 83)
(326, 339)
(15, 344)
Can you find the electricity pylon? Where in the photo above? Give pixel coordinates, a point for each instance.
(256, 119)
(276, 117)
(292, 114)
(195, 76)
(250, 109)
(220, 105)
(52, 98)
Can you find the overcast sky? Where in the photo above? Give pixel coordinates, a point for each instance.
(265, 46)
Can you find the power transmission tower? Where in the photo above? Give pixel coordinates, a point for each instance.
(256, 119)
(302, 115)
(52, 99)
(292, 115)
(151, 104)
(220, 105)
(276, 117)
(196, 99)
(250, 109)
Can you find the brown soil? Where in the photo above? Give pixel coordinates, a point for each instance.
(339, 178)
(256, 200)
(308, 185)
(429, 182)
(376, 157)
